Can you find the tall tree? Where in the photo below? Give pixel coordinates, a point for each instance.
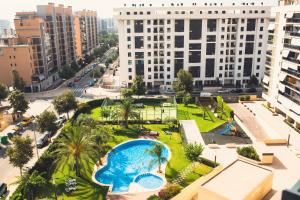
(3, 92)
(138, 86)
(18, 82)
(65, 103)
(157, 153)
(21, 152)
(76, 148)
(17, 101)
(184, 82)
(127, 111)
(31, 183)
(46, 122)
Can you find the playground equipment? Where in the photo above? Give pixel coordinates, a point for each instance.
(230, 128)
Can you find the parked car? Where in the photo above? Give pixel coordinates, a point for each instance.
(251, 90)
(60, 121)
(91, 83)
(12, 133)
(77, 79)
(237, 90)
(42, 141)
(223, 91)
(70, 84)
(3, 189)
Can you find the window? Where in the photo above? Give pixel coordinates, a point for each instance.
(249, 37)
(194, 56)
(247, 67)
(249, 47)
(179, 41)
(139, 42)
(179, 25)
(210, 67)
(138, 26)
(129, 69)
(195, 29)
(251, 23)
(262, 20)
(211, 25)
(129, 62)
(129, 54)
(178, 54)
(178, 64)
(210, 48)
(130, 77)
(128, 30)
(195, 46)
(128, 39)
(195, 71)
(211, 38)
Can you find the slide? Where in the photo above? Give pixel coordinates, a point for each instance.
(227, 130)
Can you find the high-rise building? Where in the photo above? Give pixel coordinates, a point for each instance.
(60, 27)
(32, 27)
(86, 32)
(4, 27)
(216, 43)
(282, 75)
(108, 25)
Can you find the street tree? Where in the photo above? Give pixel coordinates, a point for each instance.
(17, 101)
(46, 122)
(65, 103)
(18, 82)
(3, 92)
(138, 86)
(253, 82)
(184, 82)
(30, 184)
(21, 152)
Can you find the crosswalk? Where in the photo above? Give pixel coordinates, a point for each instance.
(79, 91)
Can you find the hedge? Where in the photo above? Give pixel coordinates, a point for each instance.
(208, 162)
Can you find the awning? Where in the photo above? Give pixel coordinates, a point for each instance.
(271, 26)
(285, 53)
(282, 76)
(295, 41)
(289, 15)
(266, 79)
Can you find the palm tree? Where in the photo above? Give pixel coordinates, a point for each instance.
(157, 153)
(77, 148)
(127, 111)
(102, 137)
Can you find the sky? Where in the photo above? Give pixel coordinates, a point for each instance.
(104, 8)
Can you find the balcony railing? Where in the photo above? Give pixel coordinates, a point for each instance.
(293, 20)
(289, 97)
(293, 72)
(291, 85)
(292, 60)
(291, 46)
(292, 33)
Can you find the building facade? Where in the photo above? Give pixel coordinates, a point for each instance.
(86, 32)
(282, 75)
(216, 43)
(16, 54)
(108, 24)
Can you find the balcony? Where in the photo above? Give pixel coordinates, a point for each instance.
(293, 99)
(291, 85)
(290, 46)
(292, 33)
(292, 72)
(292, 60)
(292, 20)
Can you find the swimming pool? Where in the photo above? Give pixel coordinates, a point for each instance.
(128, 160)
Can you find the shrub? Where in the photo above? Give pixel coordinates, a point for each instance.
(169, 191)
(208, 162)
(193, 151)
(247, 98)
(242, 98)
(154, 197)
(248, 152)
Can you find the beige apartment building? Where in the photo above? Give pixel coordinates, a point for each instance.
(86, 32)
(16, 54)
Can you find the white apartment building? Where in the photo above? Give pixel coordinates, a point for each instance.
(216, 43)
(282, 75)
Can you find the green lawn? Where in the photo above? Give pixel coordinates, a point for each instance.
(89, 190)
(196, 113)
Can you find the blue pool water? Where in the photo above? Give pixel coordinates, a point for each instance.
(125, 162)
(149, 181)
